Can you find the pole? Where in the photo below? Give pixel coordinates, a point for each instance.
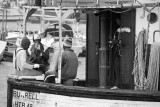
(117, 2)
(60, 45)
(4, 36)
(24, 22)
(2, 32)
(120, 6)
(103, 51)
(42, 21)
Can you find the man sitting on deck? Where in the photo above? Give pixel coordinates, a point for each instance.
(38, 55)
(23, 68)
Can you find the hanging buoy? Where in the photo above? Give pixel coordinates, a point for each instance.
(152, 18)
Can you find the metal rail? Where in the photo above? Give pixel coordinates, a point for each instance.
(154, 34)
(134, 5)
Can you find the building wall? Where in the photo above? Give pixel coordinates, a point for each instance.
(142, 23)
(13, 26)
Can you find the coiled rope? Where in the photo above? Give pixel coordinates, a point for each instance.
(140, 80)
(153, 70)
(139, 61)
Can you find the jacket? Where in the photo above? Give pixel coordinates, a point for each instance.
(20, 64)
(69, 64)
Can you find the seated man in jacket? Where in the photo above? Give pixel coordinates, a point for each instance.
(69, 64)
(38, 55)
(23, 68)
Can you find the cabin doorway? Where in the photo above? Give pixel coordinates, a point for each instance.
(119, 59)
(128, 19)
(92, 44)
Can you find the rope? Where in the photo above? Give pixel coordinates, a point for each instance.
(151, 83)
(153, 70)
(139, 61)
(147, 36)
(114, 11)
(120, 11)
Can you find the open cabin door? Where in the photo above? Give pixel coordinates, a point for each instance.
(100, 30)
(128, 48)
(92, 61)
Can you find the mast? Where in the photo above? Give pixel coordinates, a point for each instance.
(2, 25)
(24, 21)
(42, 20)
(60, 45)
(5, 25)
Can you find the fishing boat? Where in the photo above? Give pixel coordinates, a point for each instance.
(3, 47)
(109, 23)
(3, 33)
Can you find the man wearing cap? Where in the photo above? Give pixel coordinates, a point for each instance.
(37, 53)
(69, 64)
(23, 68)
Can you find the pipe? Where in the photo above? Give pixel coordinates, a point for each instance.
(5, 25)
(2, 26)
(103, 51)
(42, 20)
(154, 34)
(134, 5)
(24, 22)
(60, 45)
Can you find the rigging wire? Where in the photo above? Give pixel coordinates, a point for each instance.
(114, 10)
(159, 15)
(120, 11)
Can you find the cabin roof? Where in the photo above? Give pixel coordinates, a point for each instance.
(92, 2)
(104, 3)
(95, 4)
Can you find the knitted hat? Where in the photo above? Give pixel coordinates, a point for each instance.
(68, 42)
(25, 43)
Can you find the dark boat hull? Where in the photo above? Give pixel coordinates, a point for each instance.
(23, 93)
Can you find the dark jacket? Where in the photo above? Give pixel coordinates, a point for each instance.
(38, 55)
(69, 64)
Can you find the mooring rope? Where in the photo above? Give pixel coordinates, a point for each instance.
(153, 70)
(139, 61)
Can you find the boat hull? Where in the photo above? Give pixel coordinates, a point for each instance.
(23, 93)
(3, 46)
